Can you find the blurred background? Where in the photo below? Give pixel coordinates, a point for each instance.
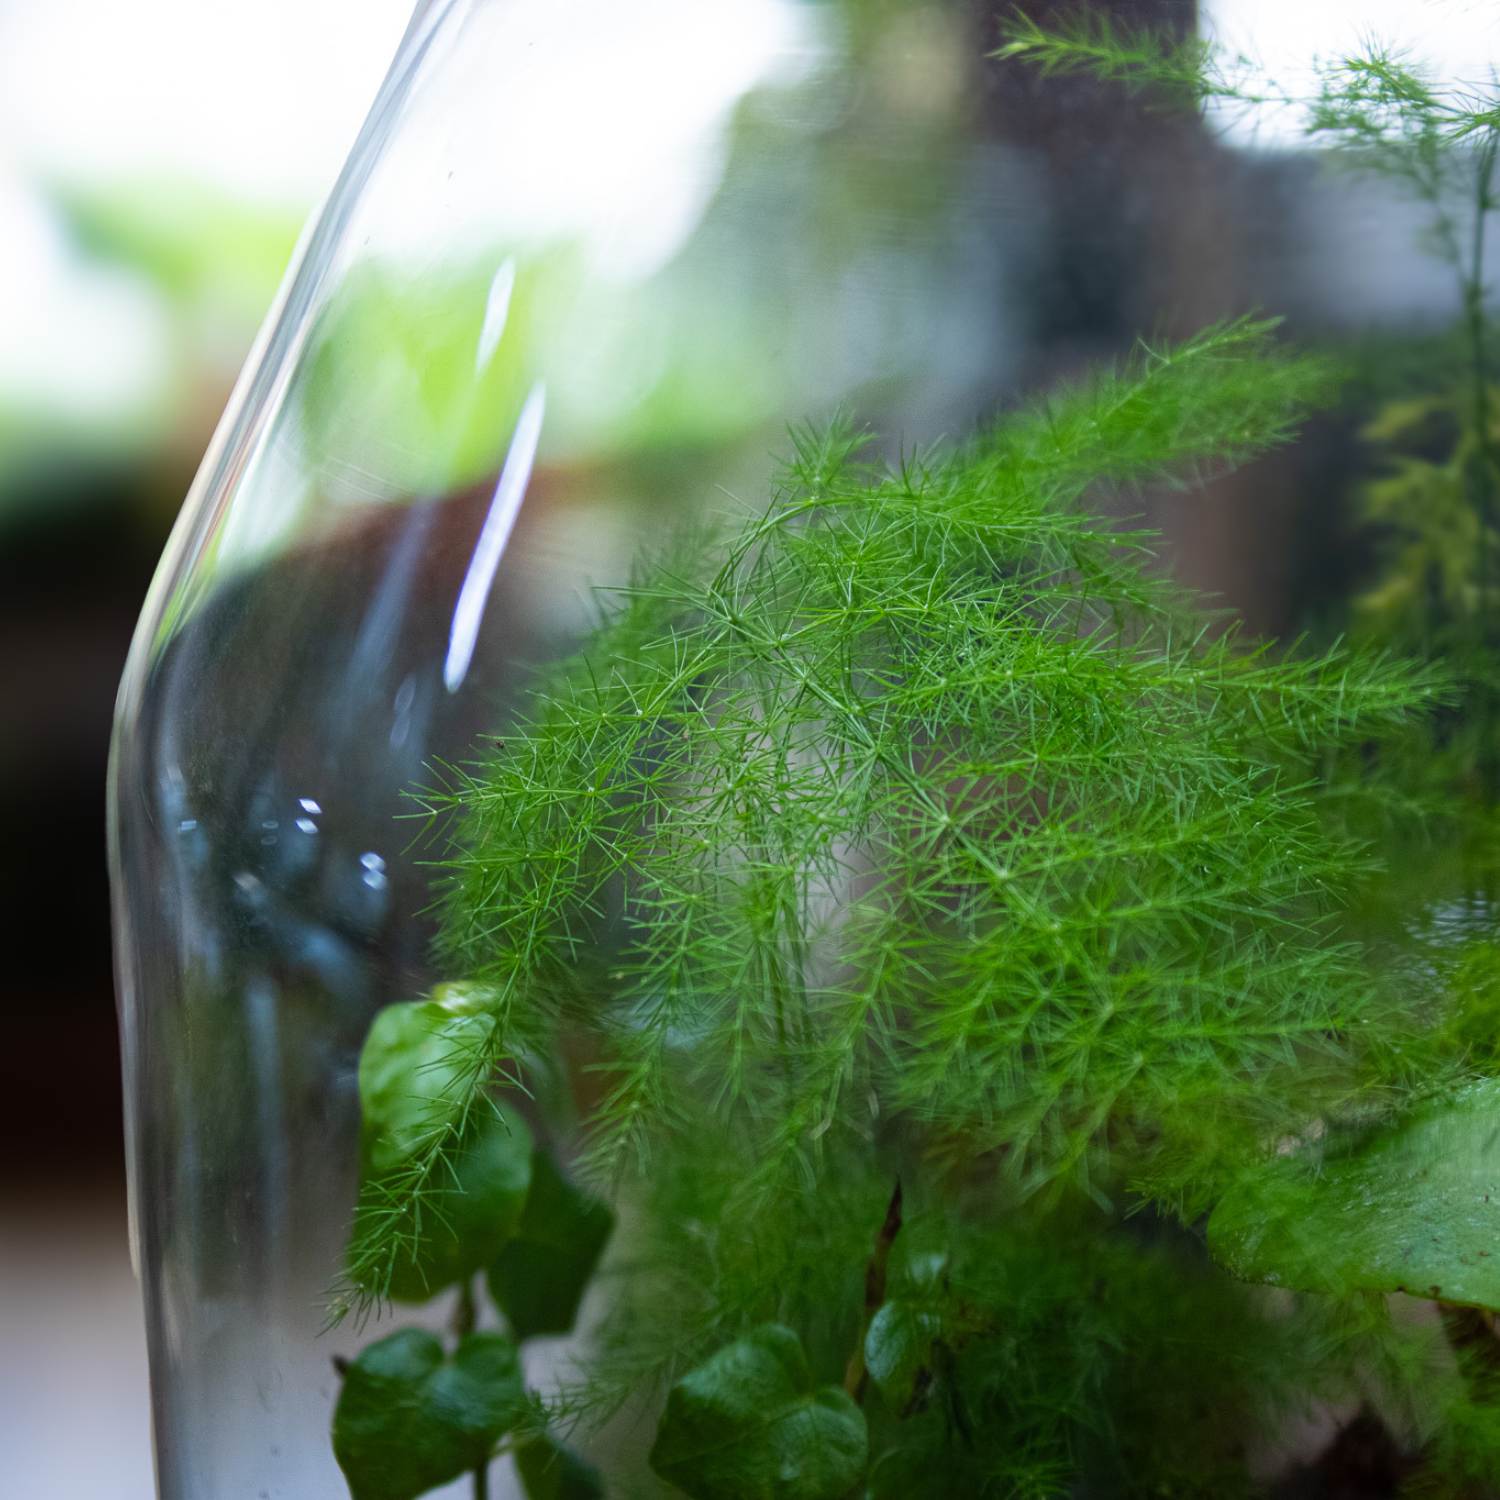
(157, 162)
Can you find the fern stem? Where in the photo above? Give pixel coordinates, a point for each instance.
(856, 1376)
(465, 1316)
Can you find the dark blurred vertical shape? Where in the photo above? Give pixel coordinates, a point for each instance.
(1136, 239)
(1146, 215)
(74, 566)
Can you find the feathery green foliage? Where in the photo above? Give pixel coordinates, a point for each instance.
(914, 830)
(915, 826)
(1431, 517)
(920, 783)
(927, 792)
(1335, 1211)
(1421, 502)
(1374, 100)
(1179, 70)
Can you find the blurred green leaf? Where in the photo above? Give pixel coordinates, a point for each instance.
(209, 251)
(898, 1350)
(549, 1471)
(539, 1278)
(415, 381)
(409, 1418)
(414, 1057)
(749, 1424)
(1414, 1207)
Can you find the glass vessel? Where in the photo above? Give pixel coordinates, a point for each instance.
(586, 265)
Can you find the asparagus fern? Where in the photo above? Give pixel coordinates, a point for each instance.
(1431, 522)
(912, 829)
(912, 826)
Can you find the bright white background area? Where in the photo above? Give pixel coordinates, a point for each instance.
(258, 101)
(264, 97)
(1283, 36)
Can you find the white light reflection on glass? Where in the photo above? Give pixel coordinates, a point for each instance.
(498, 525)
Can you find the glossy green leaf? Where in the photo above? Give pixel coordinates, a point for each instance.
(898, 1349)
(468, 1218)
(413, 1058)
(899, 1356)
(540, 1276)
(410, 1418)
(1413, 1208)
(549, 1471)
(749, 1424)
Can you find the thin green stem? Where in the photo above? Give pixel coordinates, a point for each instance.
(466, 1312)
(856, 1376)
(465, 1317)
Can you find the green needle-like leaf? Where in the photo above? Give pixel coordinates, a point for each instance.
(414, 1058)
(923, 789)
(916, 826)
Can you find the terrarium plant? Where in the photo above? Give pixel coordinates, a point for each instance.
(1407, 1211)
(892, 996)
(925, 925)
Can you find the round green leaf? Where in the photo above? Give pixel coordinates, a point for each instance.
(539, 1278)
(748, 1424)
(410, 1419)
(412, 1063)
(1413, 1208)
(466, 1220)
(898, 1349)
(412, 1060)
